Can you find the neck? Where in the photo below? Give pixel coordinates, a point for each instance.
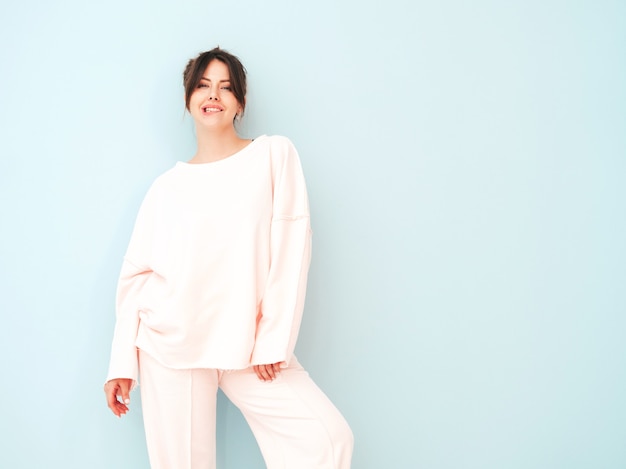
(217, 144)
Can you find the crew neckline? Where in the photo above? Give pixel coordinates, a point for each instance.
(232, 157)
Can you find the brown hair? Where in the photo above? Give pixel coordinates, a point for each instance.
(196, 67)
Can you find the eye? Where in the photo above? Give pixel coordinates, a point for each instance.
(227, 88)
(202, 85)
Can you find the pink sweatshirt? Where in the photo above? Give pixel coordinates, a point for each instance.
(215, 272)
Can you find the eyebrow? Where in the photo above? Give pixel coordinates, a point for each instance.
(219, 81)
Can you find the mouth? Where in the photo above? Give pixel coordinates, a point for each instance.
(210, 109)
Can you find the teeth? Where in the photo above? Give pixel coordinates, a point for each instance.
(211, 109)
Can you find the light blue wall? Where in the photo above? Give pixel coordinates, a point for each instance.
(466, 163)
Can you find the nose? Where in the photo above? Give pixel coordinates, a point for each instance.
(213, 93)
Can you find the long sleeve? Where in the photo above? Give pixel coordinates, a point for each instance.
(123, 363)
(290, 253)
(133, 276)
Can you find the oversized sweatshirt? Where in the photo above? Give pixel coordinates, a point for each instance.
(215, 272)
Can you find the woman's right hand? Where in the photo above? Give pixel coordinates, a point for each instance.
(119, 387)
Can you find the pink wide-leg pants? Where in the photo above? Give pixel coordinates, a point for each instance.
(294, 423)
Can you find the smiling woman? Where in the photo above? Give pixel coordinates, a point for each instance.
(212, 289)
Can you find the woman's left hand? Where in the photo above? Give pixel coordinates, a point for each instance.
(267, 372)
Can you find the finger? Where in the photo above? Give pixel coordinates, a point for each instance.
(110, 390)
(125, 392)
(277, 368)
(262, 373)
(257, 370)
(120, 406)
(269, 372)
(120, 409)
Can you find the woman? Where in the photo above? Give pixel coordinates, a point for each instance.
(211, 294)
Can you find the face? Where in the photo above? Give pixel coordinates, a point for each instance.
(212, 103)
